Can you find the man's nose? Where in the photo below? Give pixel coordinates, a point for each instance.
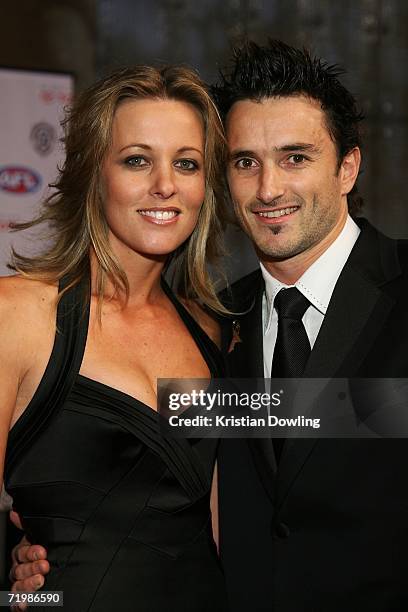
(271, 184)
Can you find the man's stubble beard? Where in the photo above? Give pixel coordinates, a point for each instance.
(306, 236)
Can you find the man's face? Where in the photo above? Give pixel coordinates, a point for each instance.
(288, 192)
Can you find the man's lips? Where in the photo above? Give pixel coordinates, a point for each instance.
(275, 215)
(159, 215)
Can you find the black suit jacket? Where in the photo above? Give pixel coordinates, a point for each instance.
(327, 530)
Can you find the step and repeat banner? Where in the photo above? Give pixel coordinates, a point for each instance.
(31, 109)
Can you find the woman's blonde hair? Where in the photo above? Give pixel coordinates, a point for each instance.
(74, 213)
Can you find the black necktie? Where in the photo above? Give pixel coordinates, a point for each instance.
(292, 348)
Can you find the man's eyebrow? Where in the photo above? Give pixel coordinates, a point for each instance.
(241, 153)
(298, 146)
(293, 146)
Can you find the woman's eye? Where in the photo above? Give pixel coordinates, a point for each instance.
(186, 164)
(245, 162)
(136, 161)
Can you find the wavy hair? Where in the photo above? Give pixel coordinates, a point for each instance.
(74, 213)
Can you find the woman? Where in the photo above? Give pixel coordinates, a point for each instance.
(89, 326)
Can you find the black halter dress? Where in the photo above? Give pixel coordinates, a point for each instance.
(123, 512)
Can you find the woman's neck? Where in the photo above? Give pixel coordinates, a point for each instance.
(143, 274)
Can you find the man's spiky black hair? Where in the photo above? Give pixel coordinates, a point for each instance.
(279, 70)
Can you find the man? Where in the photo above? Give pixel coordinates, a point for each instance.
(323, 527)
(309, 525)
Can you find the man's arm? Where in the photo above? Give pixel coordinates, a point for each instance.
(30, 563)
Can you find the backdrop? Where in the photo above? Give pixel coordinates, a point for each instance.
(31, 108)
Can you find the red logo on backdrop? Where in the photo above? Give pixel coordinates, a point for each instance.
(50, 95)
(6, 225)
(19, 180)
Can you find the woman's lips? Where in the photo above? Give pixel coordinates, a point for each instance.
(159, 216)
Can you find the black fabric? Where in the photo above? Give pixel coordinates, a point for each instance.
(292, 348)
(325, 530)
(123, 512)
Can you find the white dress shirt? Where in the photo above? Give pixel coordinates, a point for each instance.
(316, 284)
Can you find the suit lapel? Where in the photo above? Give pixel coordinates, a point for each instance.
(356, 303)
(358, 307)
(246, 361)
(356, 314)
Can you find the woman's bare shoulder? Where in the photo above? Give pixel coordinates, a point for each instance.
(35, 291)
(26, 304)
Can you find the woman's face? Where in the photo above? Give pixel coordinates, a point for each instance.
(153, 179)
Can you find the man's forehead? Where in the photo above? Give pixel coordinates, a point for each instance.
(280, 120)
(299, 99)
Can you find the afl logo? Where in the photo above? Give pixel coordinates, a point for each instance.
(43, 137)
(19, 180)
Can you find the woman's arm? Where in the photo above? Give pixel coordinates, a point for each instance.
(11, 359)
(12, 356)
(27, 324)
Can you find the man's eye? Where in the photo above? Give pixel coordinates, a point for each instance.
(136, 161)
(245, 162)
(297, 158)
(186, 164)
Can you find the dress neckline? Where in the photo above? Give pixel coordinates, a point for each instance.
(192, 327)
(61, 383)
(79, 293)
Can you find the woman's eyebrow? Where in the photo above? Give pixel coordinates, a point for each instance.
(140, 145)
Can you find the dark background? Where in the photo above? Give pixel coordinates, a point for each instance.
(368, 37)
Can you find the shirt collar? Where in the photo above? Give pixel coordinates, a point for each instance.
(318, 281)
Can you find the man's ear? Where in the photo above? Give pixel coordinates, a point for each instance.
(349, 170)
